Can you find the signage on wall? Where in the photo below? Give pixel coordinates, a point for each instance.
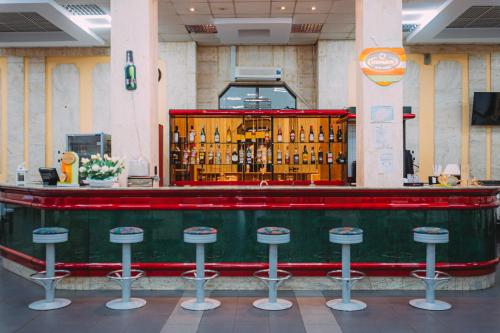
(383, 65)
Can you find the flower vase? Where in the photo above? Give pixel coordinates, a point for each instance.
(102, 183)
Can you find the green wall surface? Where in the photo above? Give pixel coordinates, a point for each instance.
(387, 234)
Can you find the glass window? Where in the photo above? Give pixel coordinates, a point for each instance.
(257, 97)
(235, 97)
(280, 97)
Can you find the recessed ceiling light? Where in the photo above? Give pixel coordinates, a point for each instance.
(283, 7)
(191, 9)
(313, 8)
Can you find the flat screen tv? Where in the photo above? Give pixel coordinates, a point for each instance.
(486, 108)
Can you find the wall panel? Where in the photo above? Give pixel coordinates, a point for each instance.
(448, 112)
(495, 130)
(36, 121)
(15, 115)
(101, 109)
(411, 97)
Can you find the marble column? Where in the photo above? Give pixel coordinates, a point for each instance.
(379, 151)
(134, 114)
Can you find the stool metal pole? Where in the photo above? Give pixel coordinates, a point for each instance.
(346, 273)
(50, 259)
(273, 274)
(126, 267)
(200, 273)
(430, 292)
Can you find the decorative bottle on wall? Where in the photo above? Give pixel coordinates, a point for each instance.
(234, 157)
(279, 157)
(192, 134)
(305, 156)
(292, 136)
(228, 135)
(321, 135)
(203, 137)
(287, 156)
(176, 135)
(130, 72)
(202, 154)
(217, 135)
(280, 134)
(311, 134)
(313, 155)
(211, 155)
(331, 134)
(302, 134)
(339, 134)
(295, 156)
(320, 155)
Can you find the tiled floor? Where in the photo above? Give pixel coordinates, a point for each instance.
(387, 312)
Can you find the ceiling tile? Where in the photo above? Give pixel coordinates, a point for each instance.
(343, 6)
(334, 35)
(222, 8)
(196, 19)
(305, 7)
(341, 18)
(278, 12)
(171, 29)
(169, 19)
(255, 8)
(175, 37)
(309, 18)
(184, 7)
(338, 27)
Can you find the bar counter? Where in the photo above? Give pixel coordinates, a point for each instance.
(387, 217)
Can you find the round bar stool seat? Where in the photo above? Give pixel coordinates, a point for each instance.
(273, 277)
(430, 277)
(50, 277)
(126, 276)
(200, 276)
(346, 236)
(50, 235)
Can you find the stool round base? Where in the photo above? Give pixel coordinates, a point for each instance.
(119, 304)
(44, 305)
(192, 305)
(280, 304)
(353, 305)
(421, 303)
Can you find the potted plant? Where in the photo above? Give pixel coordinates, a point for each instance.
(101, 171)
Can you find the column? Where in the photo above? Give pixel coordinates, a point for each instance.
(379, 146)
(134, 114)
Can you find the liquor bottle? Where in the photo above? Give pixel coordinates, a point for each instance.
(279, 157)
(192, 134)
(305, 156)
(302, 134)
(340, 159)
(321, 135)
(211, 155)
(217, 135)
(311, 134)
(218, 157)
(266, 137)
(234, 157)
(193, 155)
(130, 72)
(295, 156)
(269, 155)
(320, 156)
(339, 134)
(241, 155)
(254, 132)
(287, 156)
(331, 135)
(228, 155)
(249, 156)
(185, 155)
(228, 135)
(176, 156)
(202, 154)
(280, 134)
(259, 155)
(292, 136)
(313, 156)
(203, 137)
(329, 157)
(176, 135)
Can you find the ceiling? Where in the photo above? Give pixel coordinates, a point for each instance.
(426, 21)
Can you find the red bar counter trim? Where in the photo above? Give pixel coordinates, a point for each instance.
(201, 112)
(250, 199)
(246, 269)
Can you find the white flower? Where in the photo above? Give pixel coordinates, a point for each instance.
(85, 160)
(96, 168)
(106, 157)
(115, 159)
(82, 169)
(94, 157)
(104, 169)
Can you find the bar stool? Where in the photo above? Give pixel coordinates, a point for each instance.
(429, 276)
(271, 277)
(126, 276)
(347, 277)
(200, 236)
(50, 277)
